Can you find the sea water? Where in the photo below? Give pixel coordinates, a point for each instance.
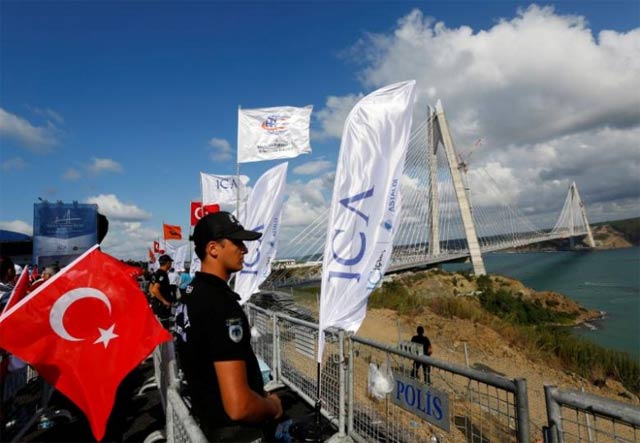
(604, 280)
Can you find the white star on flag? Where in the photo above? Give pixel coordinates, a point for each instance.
(106, 335)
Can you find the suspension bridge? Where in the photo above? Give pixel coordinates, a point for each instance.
(442, 218)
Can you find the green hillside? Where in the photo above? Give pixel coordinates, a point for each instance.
(629, 227)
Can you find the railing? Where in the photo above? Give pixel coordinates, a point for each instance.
(457, 405)
(181, 426)
(289, 346)
(31, 412)
(428, 401)
(576, 417)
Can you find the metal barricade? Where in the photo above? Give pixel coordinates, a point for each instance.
(297, 366)
(264, 337)
(457, 405)
(13, 382)
(576, 417)
(181, 426)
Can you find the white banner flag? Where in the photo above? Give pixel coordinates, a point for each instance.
(195, 264)
(273, 133)
(222, 189)
(179, 256)
(264, 208)
(365, 205)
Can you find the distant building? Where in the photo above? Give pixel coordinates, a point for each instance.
(283, 263)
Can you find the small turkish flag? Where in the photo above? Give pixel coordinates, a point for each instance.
(84, 330)
(34, 273)
(172, 232)
(156, 248)
(198, 211)
(19, 290)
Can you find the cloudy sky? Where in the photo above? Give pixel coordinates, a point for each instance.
(123, 104)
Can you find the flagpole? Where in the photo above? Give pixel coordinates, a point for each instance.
(238, 171)
(190, 232)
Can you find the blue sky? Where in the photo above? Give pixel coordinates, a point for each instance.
(124, 103)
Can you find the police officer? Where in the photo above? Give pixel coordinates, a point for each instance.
(213, 339)
(160, 290)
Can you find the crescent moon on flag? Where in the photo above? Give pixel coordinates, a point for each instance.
(62, 304)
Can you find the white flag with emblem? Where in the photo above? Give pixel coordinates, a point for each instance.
(365, 205)
(263, 212)
(222, 189)
(273, 133)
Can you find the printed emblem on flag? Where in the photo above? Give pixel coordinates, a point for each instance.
(235, 329)
(275, 124)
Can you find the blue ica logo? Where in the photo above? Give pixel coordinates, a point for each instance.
(425, 401)
(348, 248)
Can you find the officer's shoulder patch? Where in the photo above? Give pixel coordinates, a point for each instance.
(160, 278)
(234, 325)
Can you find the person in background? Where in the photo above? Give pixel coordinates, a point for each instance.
(185, 279)
(7, 279)
(174, 280)
(427, 350)
(47, 273)
(213, 340)
(160, 291)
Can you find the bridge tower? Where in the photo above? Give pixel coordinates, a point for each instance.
(439, 133)
(434, 210)
(576, 202)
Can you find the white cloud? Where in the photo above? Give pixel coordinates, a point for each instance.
(34, 138)
(331, 118)
(12, 164)
(129, 240)
(48, 113)
(17, 226)
(71, 174)
(312, 167)
(99, 165)
(307, 201)
(220, 150)
(552, 102)
(114, 209)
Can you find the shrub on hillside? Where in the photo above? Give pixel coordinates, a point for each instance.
(505, 305)
(394, 295)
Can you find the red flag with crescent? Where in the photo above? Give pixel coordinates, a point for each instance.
(84, 330)
(19, 290)
(198, 211)
(156, 247)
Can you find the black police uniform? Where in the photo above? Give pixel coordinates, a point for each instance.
(211, 326)
(162, 311)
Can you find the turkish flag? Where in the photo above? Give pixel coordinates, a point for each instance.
(172, 232)
(19, 290)
(34, 273)
(198, 211)
(152, 257)
(156, 247)
(84, 330)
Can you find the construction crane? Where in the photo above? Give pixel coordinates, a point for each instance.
(463, 160)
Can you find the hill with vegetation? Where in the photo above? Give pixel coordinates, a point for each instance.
(507, 327)
(628, 228)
